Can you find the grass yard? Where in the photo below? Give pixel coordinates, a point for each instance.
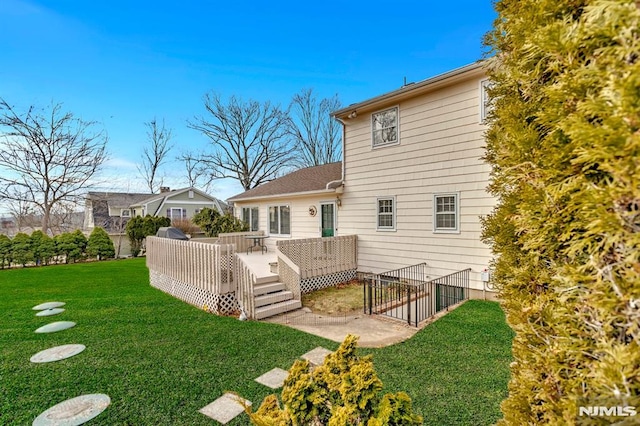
(341, 299)
(161, 360)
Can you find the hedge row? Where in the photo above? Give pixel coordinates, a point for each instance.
(40, 249)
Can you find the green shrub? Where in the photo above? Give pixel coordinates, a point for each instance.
(6, 254)
(564, 144)
(344, 390)
(138, 228)
(71, 245)
(21, 250)
(43, 247)
(100, 245)
(213, 223)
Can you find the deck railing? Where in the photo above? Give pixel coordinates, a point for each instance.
(409, 295)
(239, 239)
(245, 281)
(321, 256)
(209, 267)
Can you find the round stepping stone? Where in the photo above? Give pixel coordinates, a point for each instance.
(74, 411)
(57, 353)
(49, 312)
(56, 326)
(48, 305)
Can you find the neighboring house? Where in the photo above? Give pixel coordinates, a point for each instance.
(178, 204)
(112, 210)
(302, 204)
(413, 185)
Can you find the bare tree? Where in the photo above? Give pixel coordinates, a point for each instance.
(249, 140)
(197, 174)
(155, 155)
(47, 156)
(316, 135)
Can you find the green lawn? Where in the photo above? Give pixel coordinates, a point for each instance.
(160, 360)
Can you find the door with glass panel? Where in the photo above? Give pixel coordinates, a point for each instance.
(328, 219)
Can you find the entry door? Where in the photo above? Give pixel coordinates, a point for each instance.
(328, 219)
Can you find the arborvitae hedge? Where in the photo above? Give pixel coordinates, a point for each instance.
(564, 144)
(99, 245)
(212, 222)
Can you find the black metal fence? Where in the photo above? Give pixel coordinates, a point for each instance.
(408, 294)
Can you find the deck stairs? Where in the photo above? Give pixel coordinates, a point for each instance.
(272, 298)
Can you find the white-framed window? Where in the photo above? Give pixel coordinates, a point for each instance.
(280, 220)
(485, 101)
(384, 127)
(446, 213)
(250, 216)
(125, 213)
(386, 213)
(176, 213)
(191, 193)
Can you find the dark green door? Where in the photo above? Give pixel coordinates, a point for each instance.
(327, 219)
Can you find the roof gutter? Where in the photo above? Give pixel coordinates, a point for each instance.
(289, 195)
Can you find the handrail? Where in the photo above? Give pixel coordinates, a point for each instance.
(245, 281)
(289, 274)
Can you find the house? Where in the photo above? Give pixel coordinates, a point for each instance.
(412, 184)
(301, 204)
(112, 210)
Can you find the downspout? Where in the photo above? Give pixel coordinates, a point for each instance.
(344, 132)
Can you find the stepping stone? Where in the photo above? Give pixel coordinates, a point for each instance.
(48, 305)
(74, 411)
(57, 353)
(49, 312)
(316, 356)
(56, 326)
(274, 378)
(224, 409)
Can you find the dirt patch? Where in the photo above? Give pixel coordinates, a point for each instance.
(341, 299)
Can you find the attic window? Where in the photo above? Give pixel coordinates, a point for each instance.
(190, 193)
(384, 127)
(125, 213)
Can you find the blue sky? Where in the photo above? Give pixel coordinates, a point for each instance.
(124, 62)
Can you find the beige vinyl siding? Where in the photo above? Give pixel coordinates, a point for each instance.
(303, 225)
(441, 143)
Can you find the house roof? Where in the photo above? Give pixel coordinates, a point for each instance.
(412, 89)
(118, 199)
(310, 179)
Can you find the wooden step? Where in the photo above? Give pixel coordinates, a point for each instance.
(259, 290)
(277, 308)
(271, 298)
(269, 278)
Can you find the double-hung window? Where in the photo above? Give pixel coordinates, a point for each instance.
(384, 127)
(446, 213)
(279, 220)
(386, 214)
(250, 217)
(176, 213)
(485, 100)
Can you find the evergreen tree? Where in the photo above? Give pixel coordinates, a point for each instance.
(564, 145)
(100, 245)
(6, 254)
(213, 223)
(43, 247)
(21, 250)
(71, 245)
(138, 228)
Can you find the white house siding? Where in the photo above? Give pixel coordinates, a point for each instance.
(441, 143)
(303, 225)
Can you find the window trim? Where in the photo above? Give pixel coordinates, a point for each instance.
(250, 223)
(456, 211)
(278, 207)
(484, 100)
(183, 213)
(394, 213)
(125, 213)
(397, 141)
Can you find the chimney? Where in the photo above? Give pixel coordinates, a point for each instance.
(164, 189)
